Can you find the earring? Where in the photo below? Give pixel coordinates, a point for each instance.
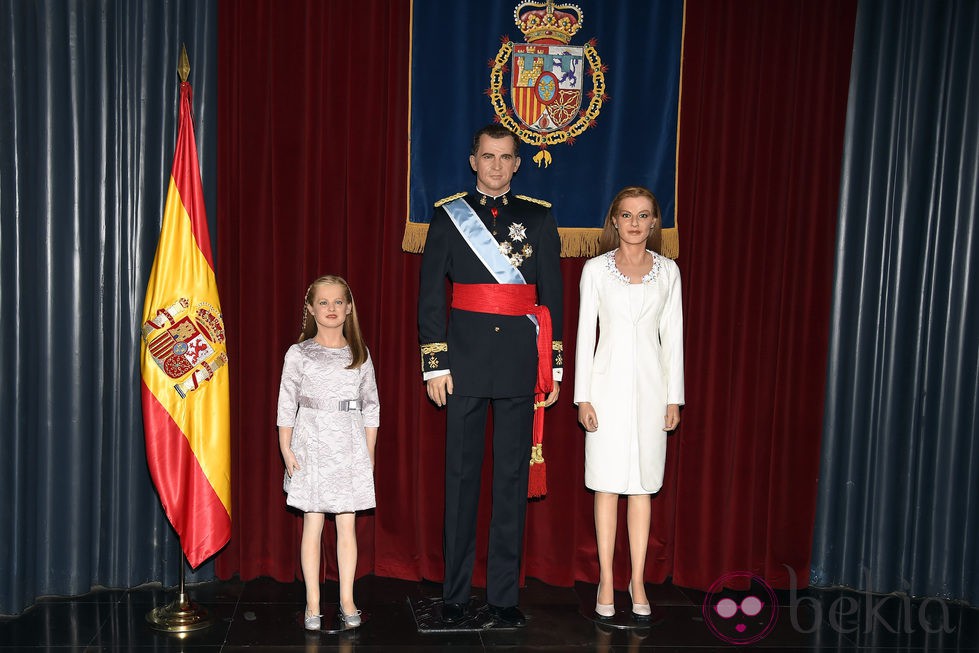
(305, 315)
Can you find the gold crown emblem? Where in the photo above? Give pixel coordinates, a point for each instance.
(547, 22)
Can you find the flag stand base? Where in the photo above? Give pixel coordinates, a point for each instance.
(179, 616)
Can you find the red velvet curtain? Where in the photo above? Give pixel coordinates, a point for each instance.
(311, 159)
(761, 144)
(312, 149)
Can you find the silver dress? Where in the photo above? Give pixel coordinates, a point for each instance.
(330, 443)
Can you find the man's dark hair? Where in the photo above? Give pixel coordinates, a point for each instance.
(495, 130)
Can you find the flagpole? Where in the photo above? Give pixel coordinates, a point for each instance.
(180, 615)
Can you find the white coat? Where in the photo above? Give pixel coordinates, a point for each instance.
(633, 373)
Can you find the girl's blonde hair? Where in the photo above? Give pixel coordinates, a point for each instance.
(351, 326)
(609, 238)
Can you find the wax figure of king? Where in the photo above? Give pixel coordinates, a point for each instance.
(501, 252)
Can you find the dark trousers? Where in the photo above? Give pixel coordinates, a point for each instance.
(513, 420)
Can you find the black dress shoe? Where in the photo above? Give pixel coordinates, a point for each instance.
(511, 616)
(453, 613)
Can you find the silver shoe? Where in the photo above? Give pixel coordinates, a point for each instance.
(312, 622)
(350, 620)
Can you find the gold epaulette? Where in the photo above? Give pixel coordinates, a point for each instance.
(534, 200)
(450, 198)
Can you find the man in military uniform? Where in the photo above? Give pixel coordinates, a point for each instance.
(501, 252)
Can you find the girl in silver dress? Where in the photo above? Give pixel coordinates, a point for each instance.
(328, 414)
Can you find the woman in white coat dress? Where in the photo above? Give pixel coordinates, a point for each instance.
(629, 387)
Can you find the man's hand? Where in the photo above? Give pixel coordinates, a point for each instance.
(552, 397)
(439, 388)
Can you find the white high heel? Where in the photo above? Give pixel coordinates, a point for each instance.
(639, 610)
(604, 610)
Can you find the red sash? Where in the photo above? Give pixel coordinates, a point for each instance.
(518, 299)
(511, 299)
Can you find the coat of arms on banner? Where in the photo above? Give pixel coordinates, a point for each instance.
(183, 343)
(547, 77)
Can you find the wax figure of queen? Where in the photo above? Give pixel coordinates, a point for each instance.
(502, 344)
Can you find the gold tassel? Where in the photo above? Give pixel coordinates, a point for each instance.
(537, 480)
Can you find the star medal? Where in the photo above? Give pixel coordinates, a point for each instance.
(517, 232)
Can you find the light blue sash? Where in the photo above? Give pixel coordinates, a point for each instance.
(481, 242)
(483, 245)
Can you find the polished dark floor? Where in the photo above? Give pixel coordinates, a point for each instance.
(264, 615)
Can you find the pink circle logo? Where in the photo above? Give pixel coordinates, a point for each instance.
(740, 616)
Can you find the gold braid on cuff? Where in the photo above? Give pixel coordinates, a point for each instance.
(430, 350)
(558, 347)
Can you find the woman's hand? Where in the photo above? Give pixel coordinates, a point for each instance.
(672, 417)
(587, 416)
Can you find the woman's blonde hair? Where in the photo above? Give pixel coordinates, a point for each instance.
(351, 326)
(609, 238)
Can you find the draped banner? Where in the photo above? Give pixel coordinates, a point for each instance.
(592, 89)
(184, 364)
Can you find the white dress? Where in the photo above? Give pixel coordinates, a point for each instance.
(633, 373)
(330, 444)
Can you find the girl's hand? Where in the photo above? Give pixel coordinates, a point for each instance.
(672, 417)
(587, 416)
(292, 465)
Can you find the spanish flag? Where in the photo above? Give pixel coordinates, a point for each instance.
(184, 364)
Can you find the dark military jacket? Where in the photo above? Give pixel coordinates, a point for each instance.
(489, 355)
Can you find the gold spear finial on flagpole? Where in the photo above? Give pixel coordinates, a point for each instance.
(183, 65)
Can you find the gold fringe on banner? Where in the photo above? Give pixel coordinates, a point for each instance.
(415, 234)
(669, 244)
(579, 241)
(575, 241)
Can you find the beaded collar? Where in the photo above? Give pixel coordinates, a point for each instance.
(649, 277)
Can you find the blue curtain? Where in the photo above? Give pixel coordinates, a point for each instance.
(88, 116)
(898, 505)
